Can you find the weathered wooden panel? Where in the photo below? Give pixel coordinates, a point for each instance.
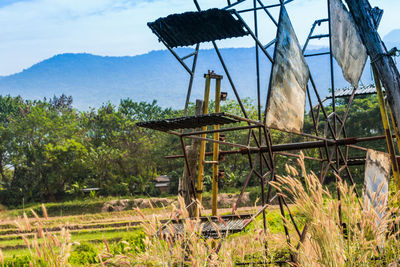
(289, 78)
(376, 181)
(347, 47)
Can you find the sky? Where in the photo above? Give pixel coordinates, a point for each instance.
(34, 30)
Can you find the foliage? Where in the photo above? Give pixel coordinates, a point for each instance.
(50, 151)
(84, 254)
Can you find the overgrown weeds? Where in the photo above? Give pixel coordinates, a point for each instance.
(359, 237)
(171, 247)
(46, 249)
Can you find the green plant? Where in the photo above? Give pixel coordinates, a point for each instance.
(92, 194)
(84, 254)
(46, 249)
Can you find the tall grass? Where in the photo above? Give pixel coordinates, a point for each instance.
(361, 238)
(358, 238)
(46, 249)
(188, 247)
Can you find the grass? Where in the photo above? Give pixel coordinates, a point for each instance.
(366, 241)
(98, 230)
(67, 208)
(324, 244)
(81, 235)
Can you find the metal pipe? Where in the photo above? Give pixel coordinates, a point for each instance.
(174, 54)
(246, 182)
(291, 217)
(223, 143)
(322, 107)
(259, 100)
(396, 128)
(270, 43)
(313, 116)
(221, 130)
(267, 12)
(234, 4)
(319, 36)
(246, 119)
(189, 92)
(342, 127)
(265, 7)
(317, 54)
(292, 146)
(254, 36)
(317, 22)
(297, 156)
(190, 55)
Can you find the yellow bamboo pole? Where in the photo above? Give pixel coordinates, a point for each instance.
(202, 156)
(386, 127)
(396, 129)
(214, 205)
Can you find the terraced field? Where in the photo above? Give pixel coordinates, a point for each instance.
(88, 228)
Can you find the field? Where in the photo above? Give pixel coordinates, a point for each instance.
(355, 237)
(91, 227)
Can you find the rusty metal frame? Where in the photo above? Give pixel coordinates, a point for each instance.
(329, 144)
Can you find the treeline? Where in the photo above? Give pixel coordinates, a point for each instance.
(50, 151)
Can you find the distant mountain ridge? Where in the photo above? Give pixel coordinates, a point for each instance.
(392, 38)
(93, 80)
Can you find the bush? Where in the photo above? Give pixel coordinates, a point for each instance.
(132, 243)
(84, 254)
(21, 261)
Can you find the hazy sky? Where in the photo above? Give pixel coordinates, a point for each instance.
(33, 30)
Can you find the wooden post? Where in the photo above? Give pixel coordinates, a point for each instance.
(387, 71)
(202, 157)
(185, 186)
(214, 201)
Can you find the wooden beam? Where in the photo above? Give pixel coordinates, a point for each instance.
(388, 73)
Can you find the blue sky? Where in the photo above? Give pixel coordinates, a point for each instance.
(33, 30)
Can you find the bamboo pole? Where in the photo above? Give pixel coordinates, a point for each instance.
(214, 205)
(386, 126)
(385, 67)
(202, 156)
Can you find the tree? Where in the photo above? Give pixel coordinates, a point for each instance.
(45, 150)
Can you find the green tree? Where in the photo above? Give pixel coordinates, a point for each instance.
(46, 150)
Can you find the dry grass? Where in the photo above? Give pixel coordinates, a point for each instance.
(49, 249)
(366, 240)
(188, 246)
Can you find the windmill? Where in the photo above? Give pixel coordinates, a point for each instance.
(290, 86)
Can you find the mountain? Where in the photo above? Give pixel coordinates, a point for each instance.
(392, 39)
(93, 80)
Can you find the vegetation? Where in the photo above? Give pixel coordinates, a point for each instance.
(49, 151)
(366, 240)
